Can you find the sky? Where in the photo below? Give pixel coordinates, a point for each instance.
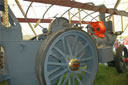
(37, 10)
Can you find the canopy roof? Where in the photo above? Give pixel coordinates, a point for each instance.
(48, 11)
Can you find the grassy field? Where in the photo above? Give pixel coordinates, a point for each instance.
(106, 76)
(109, 76)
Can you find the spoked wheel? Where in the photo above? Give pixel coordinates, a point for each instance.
(121, 59)
(68, 57)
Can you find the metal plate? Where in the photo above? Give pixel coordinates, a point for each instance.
(58, 24)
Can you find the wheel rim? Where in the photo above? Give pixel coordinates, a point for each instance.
(123, 64)
(72, 45)
(121, 55)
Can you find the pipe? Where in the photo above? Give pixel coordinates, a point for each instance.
(79, 15)
(122, 25)
(115, 7)
(69, 17)
(38, 21)
(21, 9)
(113, 26)
(28, 8)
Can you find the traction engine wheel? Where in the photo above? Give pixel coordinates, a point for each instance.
(67, 57)
(121, 59)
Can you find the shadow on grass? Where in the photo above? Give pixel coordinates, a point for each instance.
(105, 76)
(109, 76)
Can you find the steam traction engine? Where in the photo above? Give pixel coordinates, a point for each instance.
(62, 55)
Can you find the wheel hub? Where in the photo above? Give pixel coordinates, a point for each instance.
(74, 64)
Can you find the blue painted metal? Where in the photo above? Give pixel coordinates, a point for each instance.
(20, 55)
(104, 45)
(20, 61)
(105, 54)
(14, 32)
(57, 48)
(57, 51)
(58, 24)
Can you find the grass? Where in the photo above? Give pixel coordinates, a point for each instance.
(109, 76)
(4, 83)
(106, 76)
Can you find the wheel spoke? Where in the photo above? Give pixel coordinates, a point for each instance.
(77, 72)
(69, 48)
(85, 70)
(76, 49)
(56, 64)
(59, 74)
(80, 75)
(60, 80)
(86, 59)
(83, 64)
(81, 50)
(69, 81)
(80, 82)
(63, 42)
(75, 42)
(53, 71)
(80, 72)
(55, 56)
(73, 79)
(58, 50)
(81, 55)
(67, 77)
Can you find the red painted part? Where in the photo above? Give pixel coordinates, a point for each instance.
(125, 60)
(33, 20)
(99, 28)
(76, 65)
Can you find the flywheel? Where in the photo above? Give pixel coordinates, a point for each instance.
(67, 57)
